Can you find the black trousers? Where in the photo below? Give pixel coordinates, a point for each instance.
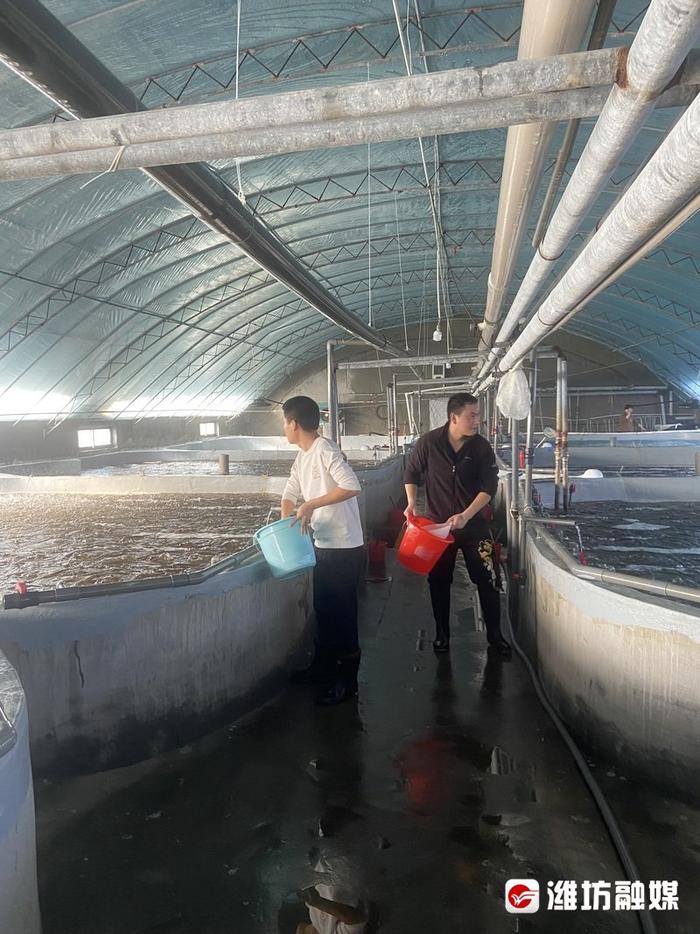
(482, 571)
(336, 577)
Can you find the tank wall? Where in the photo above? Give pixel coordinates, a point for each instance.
(117, 679)
(19, 901)
(620, 669)
(628, 490)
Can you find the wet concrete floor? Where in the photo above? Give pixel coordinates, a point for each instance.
(444, 780)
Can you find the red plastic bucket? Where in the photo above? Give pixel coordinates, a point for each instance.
(419, 550)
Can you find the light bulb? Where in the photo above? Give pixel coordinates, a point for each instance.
(437, 334)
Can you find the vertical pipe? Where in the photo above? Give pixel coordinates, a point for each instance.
(529, 449)
(420, 410)
(670, 405)
(332, 397)
(663, 408)
(557, 442)
(565, 433)
(394, 397)
(389, 421)
(495, 422)
(513, 511)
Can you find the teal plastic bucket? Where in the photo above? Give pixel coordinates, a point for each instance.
(287, 550)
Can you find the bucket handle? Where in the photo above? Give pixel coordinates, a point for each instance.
(254, 536)
(272, 509)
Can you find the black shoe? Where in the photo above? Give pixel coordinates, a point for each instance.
(343, 682)
(501, 647)
(338, 692)
(318, 672)
(441, 646)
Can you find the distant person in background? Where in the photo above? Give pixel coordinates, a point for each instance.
(329, 488)
(628, 422)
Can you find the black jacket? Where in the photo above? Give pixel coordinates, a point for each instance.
(452, 479)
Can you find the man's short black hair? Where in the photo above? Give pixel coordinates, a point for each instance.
(303, 411)
(456, 403)
(630, 407)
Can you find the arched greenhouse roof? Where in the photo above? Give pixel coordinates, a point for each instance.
(116, 299)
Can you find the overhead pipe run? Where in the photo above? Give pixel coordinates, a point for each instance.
(688, 211)
(448, 102)
(548, 27)
(667, 183)
(599, 31)
(49, 56)
(666, 35)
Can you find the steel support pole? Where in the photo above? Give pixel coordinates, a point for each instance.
(529, 444)
(514, 498)
(662, 405)
(394, 400)
(557, 442)
(565, 433)
(332, 393)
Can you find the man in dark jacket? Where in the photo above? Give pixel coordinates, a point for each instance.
(458, 467)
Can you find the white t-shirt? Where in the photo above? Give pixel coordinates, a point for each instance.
(319, 471)
(327, 924)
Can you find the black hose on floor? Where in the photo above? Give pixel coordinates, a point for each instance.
(646, 922)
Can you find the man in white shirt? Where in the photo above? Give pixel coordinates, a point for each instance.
(325, 482)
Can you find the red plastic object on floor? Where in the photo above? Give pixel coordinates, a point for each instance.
(419, 550)
(376, 554)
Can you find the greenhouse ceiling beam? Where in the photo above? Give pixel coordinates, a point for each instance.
(37, 46)
(556, 88)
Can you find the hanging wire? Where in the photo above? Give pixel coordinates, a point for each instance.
(423, 309)
(114, 165)
(370, 317)
(241, 194)
(398, 245)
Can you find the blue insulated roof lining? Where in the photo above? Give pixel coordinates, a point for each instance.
(114, 299)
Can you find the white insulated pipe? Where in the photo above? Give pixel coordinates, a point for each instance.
(442, 102)
(664, 39)
(668, 182)
(549, 27)
(690, 209)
